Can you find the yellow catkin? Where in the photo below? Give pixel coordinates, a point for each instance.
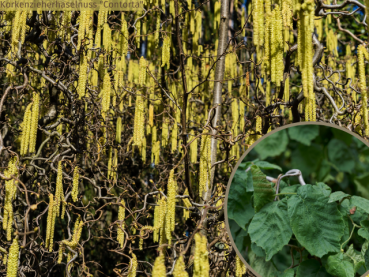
(75, 184)
(12, 264)
(258, 127)
(193, 147)
(205, 162)
(60, 252)
(121, 216)
(240, 267)
(361, 54)
(201, 260)
(187, 204)
(124, 37)
(133, 266)
(10, 193)
(159, 269)
(106, 93)
(73, 243)
(59, 194)
(171, 205)
(165, 58)
(26, 128)
(82, 80)
(118, 135)
(49, 220)
(34, 123)
(142, 76)
(139, 122)
(180, 268)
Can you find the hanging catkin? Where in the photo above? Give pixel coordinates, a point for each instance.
(180, 268)
(82, 77)
(12, 263)
(361, 54)
(205, 162)
(133, 266)
(240, 267)
(187, 204)
(59, 194)
(10, 193)
(142, 76)
(170, 215)
(165, 58)
(75, 184)
(201, 260)
(159, 269)
(139, 122)
(120, 228)
(26, 129)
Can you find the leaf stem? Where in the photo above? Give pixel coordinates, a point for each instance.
(352, 231)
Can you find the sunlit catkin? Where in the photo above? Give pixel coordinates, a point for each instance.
(165, 57)
(180, 268)
(59, 194)
(82, 76)
(171, 205)
(142, 76)
(105, 103)
(75, 184)
(121, 216)
(10, 193)
(139, 122)
(159, 269)
(205, 162)
(133, 266)
(187, 204)
(49, 220)
(12, 263)
(34, 123)
(26, 128)
(258, 127)
(201, 260)
(361, 54)
(240, 267)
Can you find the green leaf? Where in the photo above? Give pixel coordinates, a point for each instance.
(262, 267)
(270, 228)
(290, 189)
(239, 204)
(360, 203)
(287, 273)
(323, 170)
(307, 158)
(337, 196)
(340, 265)
(311, 268)
(326, 190)
(272, 145)
(249, 184)
(356, 257)
(263, 191)
(364, 232)
(317, 224)
(304, 133)
(265, 165)
(340, 155)
(258, 250)
(365, 253)
(358, 215)
(239, 236)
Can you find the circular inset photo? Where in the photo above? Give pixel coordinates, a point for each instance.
(297, 203)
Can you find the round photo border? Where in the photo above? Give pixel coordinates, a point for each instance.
(244, 155)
